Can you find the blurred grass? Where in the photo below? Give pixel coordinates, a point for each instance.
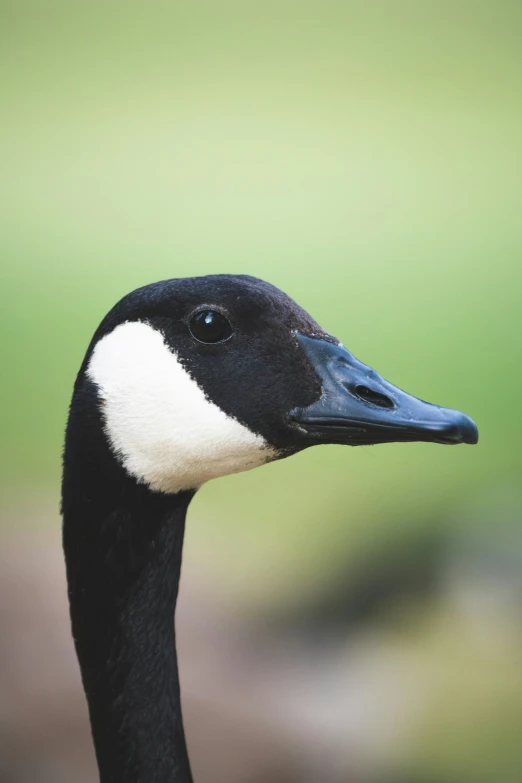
(367, 162)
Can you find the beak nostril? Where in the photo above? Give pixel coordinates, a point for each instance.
(373, 397)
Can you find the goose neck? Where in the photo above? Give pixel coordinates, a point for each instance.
(123, 563)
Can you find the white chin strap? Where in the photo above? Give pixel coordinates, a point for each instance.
(159, 423)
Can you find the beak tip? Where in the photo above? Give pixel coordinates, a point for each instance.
(470, 433)
(465, 430)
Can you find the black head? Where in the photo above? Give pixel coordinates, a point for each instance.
(200, 377)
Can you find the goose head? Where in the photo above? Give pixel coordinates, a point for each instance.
(197, 378)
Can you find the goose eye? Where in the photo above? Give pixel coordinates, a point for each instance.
(210, 326)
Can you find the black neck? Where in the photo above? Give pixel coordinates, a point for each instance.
(123, 547)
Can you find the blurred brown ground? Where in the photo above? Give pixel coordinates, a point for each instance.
(399, 672)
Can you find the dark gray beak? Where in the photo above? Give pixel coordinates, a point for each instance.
(358, 407)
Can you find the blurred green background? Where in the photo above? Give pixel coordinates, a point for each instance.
(367, 159)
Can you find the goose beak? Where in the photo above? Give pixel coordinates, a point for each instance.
(358, 407)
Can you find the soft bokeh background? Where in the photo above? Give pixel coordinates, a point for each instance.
(347, 616)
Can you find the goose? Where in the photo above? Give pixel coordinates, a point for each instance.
(184, 381)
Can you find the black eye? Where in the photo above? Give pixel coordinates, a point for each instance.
(210, 326)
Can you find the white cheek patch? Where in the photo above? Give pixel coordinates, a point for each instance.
(164, 430)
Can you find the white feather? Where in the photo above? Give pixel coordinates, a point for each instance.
(159, 423)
